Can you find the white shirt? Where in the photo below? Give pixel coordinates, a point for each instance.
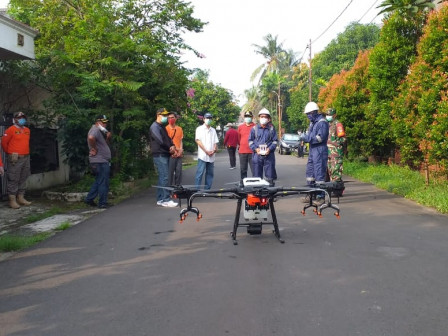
(208, 137)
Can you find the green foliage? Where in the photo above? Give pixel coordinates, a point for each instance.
(208, 97)
(63, 226)
(37, 217)
(347, 93)
(119, 58)
(408, 8)
(341, 53)
(10, 243)
(420, 110)
(401, 181)
(389, 63)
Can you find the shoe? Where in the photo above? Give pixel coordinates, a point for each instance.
(91, 203)
(160, 202)
(169, 204)
(105, 206)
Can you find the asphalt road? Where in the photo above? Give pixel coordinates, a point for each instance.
(134, 270)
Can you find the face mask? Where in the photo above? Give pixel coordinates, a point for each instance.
(207, 121)
(172, 121)
(164, 120)
(21, 121)
(264, 121)
(329, 118)
(248, 120)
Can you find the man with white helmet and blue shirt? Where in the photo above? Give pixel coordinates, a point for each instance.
(316, 136)
(263, 142)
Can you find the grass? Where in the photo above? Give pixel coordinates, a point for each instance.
(10, 243)
(402, 181)
(37, 217)
(63, 226)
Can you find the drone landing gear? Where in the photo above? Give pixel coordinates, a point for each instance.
(184, 212)
(254, 228)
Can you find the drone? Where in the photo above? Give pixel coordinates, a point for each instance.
(259, 198)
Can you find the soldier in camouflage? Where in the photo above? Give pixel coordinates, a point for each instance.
(335, 143)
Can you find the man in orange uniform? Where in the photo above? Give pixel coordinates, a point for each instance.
(245, 153)
(175, 164)
(16, 145)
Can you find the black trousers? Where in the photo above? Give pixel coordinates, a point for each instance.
(245, 160)
(232, 151)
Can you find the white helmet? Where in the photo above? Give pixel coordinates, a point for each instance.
(264, 111)
(310, 107)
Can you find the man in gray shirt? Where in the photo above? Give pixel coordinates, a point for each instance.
(98, 140)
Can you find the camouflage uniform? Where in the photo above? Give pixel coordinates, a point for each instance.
(335, 145)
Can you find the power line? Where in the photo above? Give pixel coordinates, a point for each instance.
(333, 22)
(367, 10)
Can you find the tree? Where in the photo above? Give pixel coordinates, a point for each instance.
(347, 93)
(420, 111)
(116, 57)
(408, 8)
(272, 52)
(341, 52)
(389, 63)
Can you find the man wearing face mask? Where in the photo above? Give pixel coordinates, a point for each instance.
(244, 151)
(162, 147)
(316, 136)
(175, 165)
(263, 142)
(207, 141)
(16, 145)
(336, 142)
(98, 140)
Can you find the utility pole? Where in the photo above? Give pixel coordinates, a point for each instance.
(279, 112)
(310, 76)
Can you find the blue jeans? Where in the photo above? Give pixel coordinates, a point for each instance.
(101, 185)
(162, 164)
(207, 168)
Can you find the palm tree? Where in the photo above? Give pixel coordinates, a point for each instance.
(406, 7)
(272, 52)
(253, 100)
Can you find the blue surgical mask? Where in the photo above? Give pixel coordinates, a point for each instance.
(21, 121)
(248, 120)
(164, 120)
(329, 118)
(207, 121)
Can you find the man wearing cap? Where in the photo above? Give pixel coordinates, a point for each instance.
(231, 143)
(317, 137)
(263, 142)
(98, 140)
(162, 147)
(176, 134)
(16, 145)
(207, 141)
(244, 151)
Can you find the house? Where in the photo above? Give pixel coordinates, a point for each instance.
(47, 166)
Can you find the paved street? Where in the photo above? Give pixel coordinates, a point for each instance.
(134, 270)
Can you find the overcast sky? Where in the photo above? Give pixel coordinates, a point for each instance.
(235, 25)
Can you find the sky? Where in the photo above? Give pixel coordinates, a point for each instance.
(234, 26)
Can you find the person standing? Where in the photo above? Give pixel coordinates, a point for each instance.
(335, 143)
(16, 145)
(98, 140)
(263, 142)
(231, 143)
(175, 163)
(317, 137)
(207, 141)
(244, 151)
(162, 147)
(2, 170)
